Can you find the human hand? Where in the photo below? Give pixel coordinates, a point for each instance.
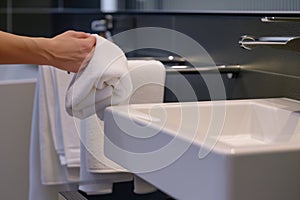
(71, 50)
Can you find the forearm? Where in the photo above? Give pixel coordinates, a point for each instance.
(20, 49)
(67, 51)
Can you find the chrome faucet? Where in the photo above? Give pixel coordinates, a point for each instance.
(287, 43)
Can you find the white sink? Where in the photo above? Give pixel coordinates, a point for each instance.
(221, 150)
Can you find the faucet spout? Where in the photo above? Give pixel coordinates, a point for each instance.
(288, 43)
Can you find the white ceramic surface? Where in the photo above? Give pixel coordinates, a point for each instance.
(224, 150)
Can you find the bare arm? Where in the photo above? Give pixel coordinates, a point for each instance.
(67, 51)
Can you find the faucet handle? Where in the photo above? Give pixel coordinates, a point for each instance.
(288, 43)
(245, 41)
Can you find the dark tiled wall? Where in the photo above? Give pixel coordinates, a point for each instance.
(2, 22)
(66, 21)
(47, 17)
(266, 72)
(81, 4)
(54, 3)
(219, 35)
(2, 15)
(258, 84)
(3, 4)
(32, 24)
(33, 3)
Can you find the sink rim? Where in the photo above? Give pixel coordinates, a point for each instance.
(220, 147)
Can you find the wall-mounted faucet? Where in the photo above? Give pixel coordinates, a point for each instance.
(103, 26)
(287, 43)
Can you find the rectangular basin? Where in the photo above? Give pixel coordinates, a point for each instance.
(219, 150)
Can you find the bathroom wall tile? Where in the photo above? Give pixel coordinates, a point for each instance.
(266, 72)
(81, 4)
(3, 4)
(34, 3)
(150, 20)
(3, 22)
(175, 87)
(260, 84)
(32, 24)
(210, 32)
(123, 23)
(126, 22)
(80, 22)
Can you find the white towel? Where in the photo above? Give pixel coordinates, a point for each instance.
(56, 167)
(69, 125)
(148, 81)
(148, 78)
(48, 97)
(97, 173)
(102, 182)
(92, 138)
(36, 189)
(52, 172)
(99, 84)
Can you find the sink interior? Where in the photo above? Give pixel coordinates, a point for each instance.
(241, 123)
(257, 124)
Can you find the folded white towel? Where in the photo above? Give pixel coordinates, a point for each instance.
(99, 84)
(96, 183)
(48, 97)
(52, 172)
(92, 136)
(148, 78)
(56, 133)
(148, 81)
(69, 126)
(36, 189)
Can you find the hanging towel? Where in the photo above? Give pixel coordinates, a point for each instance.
(102, 182)
(52, 172)
(93, 138)
(148, 78)
(148, 81)
(48, 97)
(56, 167)
(36, 189)
(99, 84)
(69, 126)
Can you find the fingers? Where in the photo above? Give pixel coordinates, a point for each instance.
(78, 34)
(88, 44)
(77, 50)
(87, 40)
(91, 40)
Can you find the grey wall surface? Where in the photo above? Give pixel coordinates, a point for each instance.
(43, 17)
(239, 5)
(266, 72)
